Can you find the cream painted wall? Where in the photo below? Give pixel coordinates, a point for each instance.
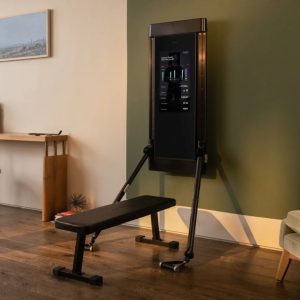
(81, 90)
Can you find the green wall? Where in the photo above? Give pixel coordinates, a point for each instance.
(253, 103)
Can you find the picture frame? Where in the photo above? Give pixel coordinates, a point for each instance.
(25, 36)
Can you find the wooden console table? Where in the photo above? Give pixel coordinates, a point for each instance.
(54, 170)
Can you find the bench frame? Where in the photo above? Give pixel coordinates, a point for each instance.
(76, 272)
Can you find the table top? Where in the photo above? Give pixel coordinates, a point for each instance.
(37, 138)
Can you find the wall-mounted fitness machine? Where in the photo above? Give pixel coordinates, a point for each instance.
(178, 107)
(177, 94)
(177, 142)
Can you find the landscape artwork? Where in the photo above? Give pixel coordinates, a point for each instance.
(24, 36)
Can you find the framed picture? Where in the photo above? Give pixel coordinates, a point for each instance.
(25, 36)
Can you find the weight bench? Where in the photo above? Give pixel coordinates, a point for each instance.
(104, 217)
(117, 213)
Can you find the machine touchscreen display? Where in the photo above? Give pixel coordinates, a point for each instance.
(174, 84)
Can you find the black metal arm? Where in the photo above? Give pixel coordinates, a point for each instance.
(147, 151)
(189, 253)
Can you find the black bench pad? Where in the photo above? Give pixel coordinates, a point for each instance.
(113, 214)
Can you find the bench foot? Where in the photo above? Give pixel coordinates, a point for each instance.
(143, 239)
(156, 240)
(63, 272)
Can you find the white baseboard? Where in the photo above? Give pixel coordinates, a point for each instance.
(242, 229)
(20, 206)
(234, 228)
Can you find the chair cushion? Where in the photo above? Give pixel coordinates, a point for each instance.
(291, 243)
(293, 220)
(284, 230)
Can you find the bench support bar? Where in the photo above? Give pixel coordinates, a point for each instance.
(156, 240)
(76, 272)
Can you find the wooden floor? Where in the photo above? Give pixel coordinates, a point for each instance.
(30, 249)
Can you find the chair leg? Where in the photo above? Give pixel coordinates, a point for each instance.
(283, 266)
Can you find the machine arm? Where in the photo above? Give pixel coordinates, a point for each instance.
(189, 253)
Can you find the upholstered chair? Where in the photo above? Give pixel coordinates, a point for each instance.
(289, 240)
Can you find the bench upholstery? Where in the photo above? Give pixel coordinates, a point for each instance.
(97, 219)
(113, 214)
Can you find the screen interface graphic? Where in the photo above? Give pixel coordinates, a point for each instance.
(174, 84)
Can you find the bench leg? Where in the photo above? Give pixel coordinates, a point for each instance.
(156, 240)
(76, 272)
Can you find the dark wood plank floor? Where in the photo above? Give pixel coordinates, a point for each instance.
(30, 249)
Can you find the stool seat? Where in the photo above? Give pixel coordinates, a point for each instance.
(293, 220)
